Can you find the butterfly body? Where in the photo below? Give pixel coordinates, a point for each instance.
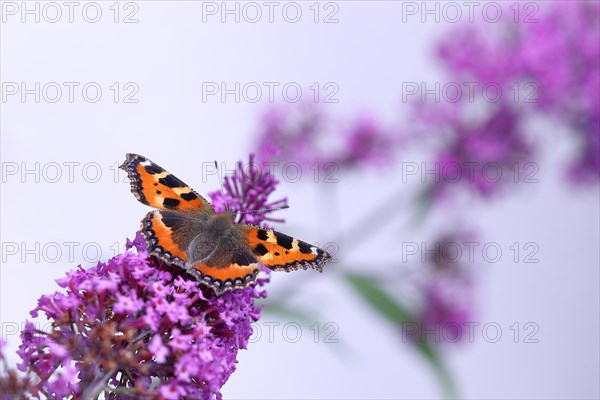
(187, 232)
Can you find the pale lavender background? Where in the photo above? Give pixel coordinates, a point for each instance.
(369, 53)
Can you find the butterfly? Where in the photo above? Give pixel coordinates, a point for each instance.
(186, 231)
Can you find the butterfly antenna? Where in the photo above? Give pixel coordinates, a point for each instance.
(263, 209)
(222, 188)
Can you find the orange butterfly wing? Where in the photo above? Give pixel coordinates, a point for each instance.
(154, 186)
(230, 277)
(280, 252)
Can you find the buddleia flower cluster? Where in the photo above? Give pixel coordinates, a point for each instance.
(135, 326)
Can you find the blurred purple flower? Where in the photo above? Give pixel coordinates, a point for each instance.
(366, 144)
(559, 53)
(446, 310)
(486, 53)
(481, 154)
(291, 134)
(114, 328)
(305, 135)
(587, 166)
(562, 54)
(448, 294)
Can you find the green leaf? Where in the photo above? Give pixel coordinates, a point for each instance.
(387, 306)
(371, 291)
(432, 355)
(423, 203)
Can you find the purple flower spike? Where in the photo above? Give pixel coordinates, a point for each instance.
(159, 326)
(246, 194)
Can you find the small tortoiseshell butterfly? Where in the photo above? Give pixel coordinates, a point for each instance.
(186, 231)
